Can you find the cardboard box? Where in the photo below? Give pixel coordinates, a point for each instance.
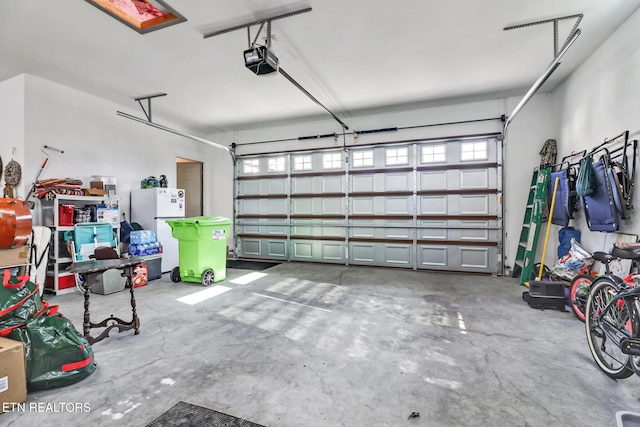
(93, 192)
(14, 257)
(13, 378)
(97, 184)
(109, 215)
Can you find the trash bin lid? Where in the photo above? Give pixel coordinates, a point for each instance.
(210, 220)
(202, 220)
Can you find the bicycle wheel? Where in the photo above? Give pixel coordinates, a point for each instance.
(578, 294)
(605, 325)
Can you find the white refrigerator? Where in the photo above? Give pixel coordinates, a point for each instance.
(151, 207)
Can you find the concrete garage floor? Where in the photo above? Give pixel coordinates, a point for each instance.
(322, 345)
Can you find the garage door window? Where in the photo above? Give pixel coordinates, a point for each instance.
(302, 163)
(397, 156)
(473, 150)
(251, 166)
(362, 158)
(331, 161)
(276, 164)
(433, 154)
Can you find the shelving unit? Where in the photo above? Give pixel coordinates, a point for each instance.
(59, 280)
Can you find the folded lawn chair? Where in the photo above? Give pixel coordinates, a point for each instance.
(600, 207)
(565, 197)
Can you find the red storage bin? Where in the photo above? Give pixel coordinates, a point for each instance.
(64, 282)
(65, 214)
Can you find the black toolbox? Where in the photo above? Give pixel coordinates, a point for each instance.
(545, 294)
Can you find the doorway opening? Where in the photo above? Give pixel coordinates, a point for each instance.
(189, 178)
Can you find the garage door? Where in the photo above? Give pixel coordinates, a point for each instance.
(419, 205)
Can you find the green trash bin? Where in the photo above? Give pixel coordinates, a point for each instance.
(202, 245)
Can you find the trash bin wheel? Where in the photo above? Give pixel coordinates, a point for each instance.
(175, 275)
(207, 277)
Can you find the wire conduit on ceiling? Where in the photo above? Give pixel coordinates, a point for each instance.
(175, 132)
(383, 130)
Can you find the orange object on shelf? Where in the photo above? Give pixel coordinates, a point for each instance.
(15, 223)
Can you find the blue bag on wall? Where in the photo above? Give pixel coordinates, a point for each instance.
(564, 237)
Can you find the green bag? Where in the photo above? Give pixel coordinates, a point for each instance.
(56, 353)
(585, 184)
(19, 301)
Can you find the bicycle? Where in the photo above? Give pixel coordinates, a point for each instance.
(612, 318)
(581, 284)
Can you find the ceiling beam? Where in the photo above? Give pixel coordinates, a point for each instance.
(260, 21)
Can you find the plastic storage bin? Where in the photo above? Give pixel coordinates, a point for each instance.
(65, 215)
(202, 246)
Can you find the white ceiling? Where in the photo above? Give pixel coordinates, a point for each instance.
(352, 55)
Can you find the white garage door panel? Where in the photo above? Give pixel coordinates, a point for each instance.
(433, 230)
(362, 206)
(276, 206)
(381, 205)
(413, 205)
(398, 255)
(331, 228)
(472, 179)
(318, 250)
(302, 185)
(433, 180)
(317, 228)
(433, 257)
(250, 187)
(249, 206)
(382, 233)
(303, 250)
(276, 248)
(398, 181)
(383, 254)
(364, 183)
(301, 206)
(469, 204)
(275, 227)
(458, 204)
(332, 184)
(276, 186)
(333, 252)
(362, 253)
(317, 206)
(250, 247)
(398, 205)
(332, 206)
(433, 205)
(474, 257)
(249, 226)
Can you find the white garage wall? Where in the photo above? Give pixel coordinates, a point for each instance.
(12, 126)
(598, 101)
(525, 137)
(98, 142)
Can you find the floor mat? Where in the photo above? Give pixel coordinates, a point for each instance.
(184, 414)
(250, 265)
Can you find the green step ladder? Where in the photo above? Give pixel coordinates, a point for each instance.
(533, 214)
